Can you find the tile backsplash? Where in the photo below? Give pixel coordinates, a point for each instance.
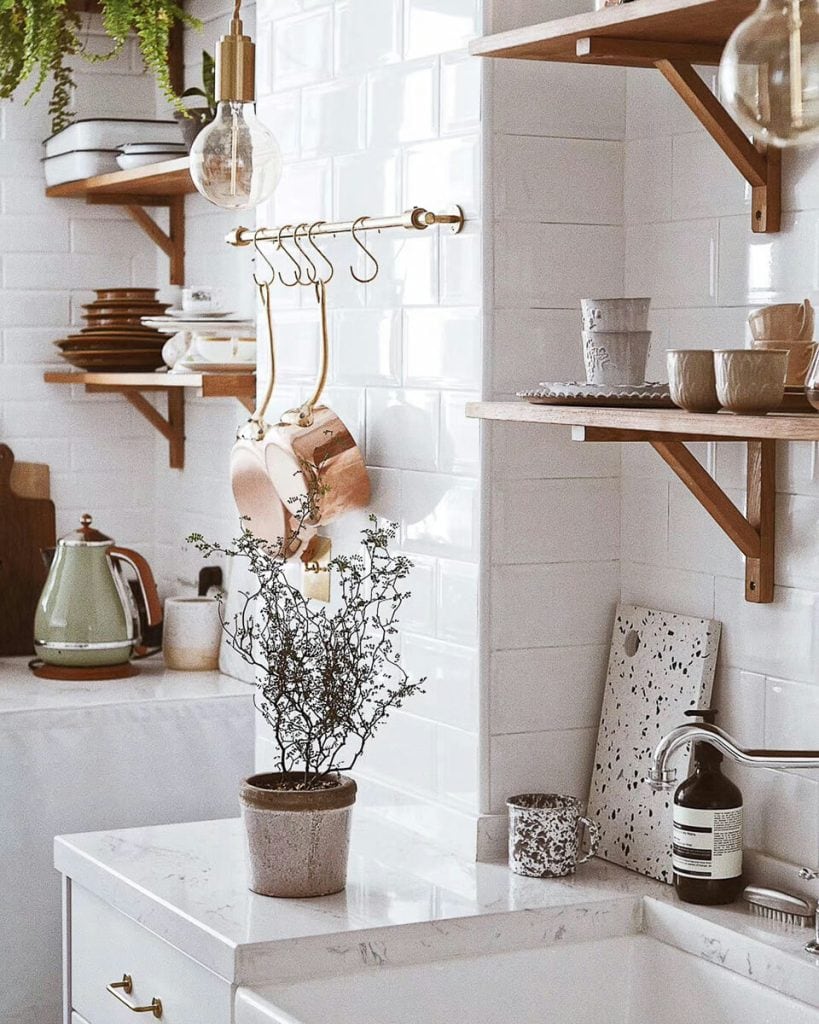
(384, 113)
(689, 245)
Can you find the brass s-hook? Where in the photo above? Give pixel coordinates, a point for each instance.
(324, 256)
(283, 248)
(262, 285)
(311, 277)
(366, 251)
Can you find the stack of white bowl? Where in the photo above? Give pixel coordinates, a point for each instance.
(615, 340)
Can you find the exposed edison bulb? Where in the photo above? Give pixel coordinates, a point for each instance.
(769, 73)
(236, 161)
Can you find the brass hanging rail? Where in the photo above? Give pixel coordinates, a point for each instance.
(417, 219)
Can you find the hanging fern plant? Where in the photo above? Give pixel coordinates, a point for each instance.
(41, 38)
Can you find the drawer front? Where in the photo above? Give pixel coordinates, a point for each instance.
(105, 945)
(77, 1019)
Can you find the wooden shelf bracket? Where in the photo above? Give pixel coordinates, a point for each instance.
(171, 427)
(760, 165)
(171, 243)
(754, 532)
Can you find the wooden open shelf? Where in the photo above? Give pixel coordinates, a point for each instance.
(162, 184)
(669, 35)
(647, 423)
(133, 386)
(164, 179)
(668, 431)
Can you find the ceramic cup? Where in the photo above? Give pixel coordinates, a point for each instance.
(199, 299)
(615, 314)
(691, 379)
(787, 320)
(545, 835)
(192, 633)
(750, 381)
(800, 355)
(616, 357)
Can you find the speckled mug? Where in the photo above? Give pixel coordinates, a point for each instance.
(545, 835)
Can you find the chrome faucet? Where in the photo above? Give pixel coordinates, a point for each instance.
(662, 777)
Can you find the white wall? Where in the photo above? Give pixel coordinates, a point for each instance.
(53, 254)
(378, 109)
(199, 498)
(689, 245)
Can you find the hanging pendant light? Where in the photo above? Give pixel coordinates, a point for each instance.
(236, 161)
(769, 73)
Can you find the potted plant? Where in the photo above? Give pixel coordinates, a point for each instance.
(38, 38)
(193, 119)
(327, 680)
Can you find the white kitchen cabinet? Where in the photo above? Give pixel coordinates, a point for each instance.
(105, 945)
(79, 756)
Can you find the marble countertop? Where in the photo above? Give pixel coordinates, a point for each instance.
(22, 692)
(407, 901)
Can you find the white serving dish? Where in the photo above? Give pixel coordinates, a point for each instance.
(153, 147)
(82, 163)
(109, 133)
(128, 161)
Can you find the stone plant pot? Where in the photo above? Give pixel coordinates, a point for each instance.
(297, 840)
(191, 126)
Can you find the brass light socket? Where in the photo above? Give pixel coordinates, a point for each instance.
(236, 66)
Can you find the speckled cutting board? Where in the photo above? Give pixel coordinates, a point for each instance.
(660, 666)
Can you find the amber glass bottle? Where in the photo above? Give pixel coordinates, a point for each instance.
(707, 858)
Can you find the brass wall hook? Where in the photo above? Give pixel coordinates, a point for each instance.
(353, 231)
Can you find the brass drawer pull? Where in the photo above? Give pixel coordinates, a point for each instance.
(127, 986)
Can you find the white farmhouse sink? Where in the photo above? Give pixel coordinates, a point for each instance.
(629, 980)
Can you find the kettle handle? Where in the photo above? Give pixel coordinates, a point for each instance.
(145, 577)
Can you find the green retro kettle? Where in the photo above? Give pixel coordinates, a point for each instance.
(84, 617)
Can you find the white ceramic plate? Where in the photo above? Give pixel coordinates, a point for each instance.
(183, 366)
(649, 396)
(213, 314)
(238, 328)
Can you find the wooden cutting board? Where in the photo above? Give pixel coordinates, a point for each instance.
(27, 525)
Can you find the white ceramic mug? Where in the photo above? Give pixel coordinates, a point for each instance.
(199, 299)
(192, 633)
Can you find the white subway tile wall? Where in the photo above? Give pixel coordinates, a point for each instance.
(199, 498)
(53, 253)
(389, 117)
(689, 245)
(552, 534)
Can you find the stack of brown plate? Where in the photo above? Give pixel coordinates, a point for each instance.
(114, 338)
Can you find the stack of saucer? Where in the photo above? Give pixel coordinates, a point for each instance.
(114, 337)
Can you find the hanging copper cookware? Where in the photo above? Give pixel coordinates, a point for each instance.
(305, 471)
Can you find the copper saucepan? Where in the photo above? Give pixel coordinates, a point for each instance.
(309, 461)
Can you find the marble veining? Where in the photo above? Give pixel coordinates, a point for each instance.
(407, 902)
(25, 694)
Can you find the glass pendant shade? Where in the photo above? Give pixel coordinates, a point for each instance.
(769, 73)
(236, 162)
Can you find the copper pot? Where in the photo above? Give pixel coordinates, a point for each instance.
(305, 471)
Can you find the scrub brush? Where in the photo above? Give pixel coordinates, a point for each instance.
(778, 906)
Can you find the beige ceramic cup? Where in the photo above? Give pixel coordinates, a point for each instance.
(787, 320)
(750, 381)
(800, 356)
(691, 379)
(192, 633)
